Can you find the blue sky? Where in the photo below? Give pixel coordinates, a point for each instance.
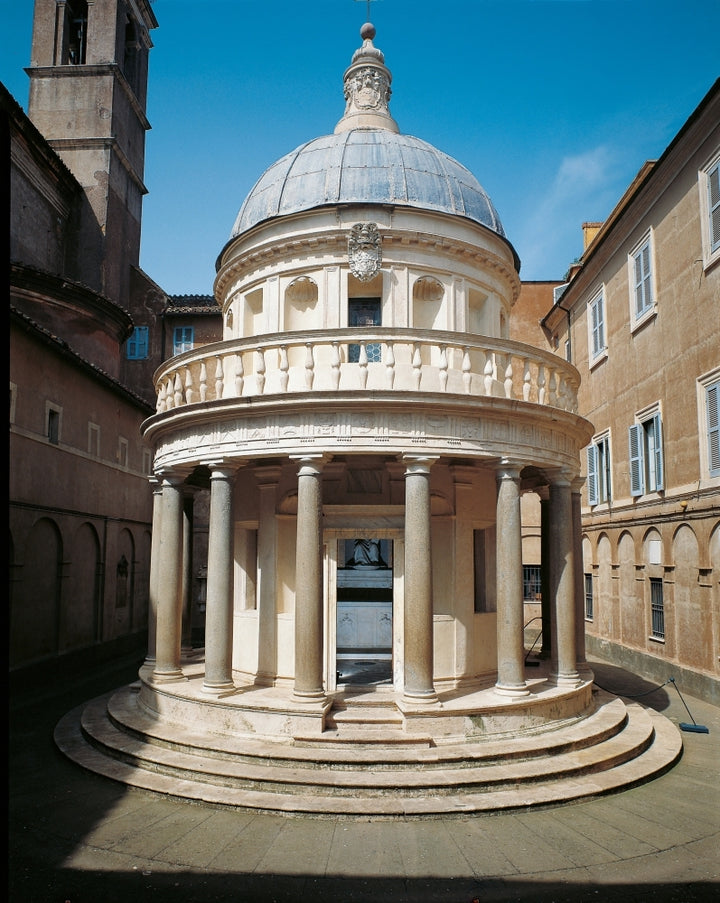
(554, 105)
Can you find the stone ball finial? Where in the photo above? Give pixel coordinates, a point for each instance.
(367, 32)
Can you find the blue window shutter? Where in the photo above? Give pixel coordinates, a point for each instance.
(713, 426)
(659, 463)
(592, 481)
(637, 459)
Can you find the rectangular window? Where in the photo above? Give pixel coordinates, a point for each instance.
(94, 440)
(709, 185)
(52, 424)
(598, 470)
(657, 608)
(646, 456)
(122, 454)
(712, 408)
(588, 597)
(532, 589)
(642, 280)
(484, 570)
(137, 344)
(364, 312)
(183, 339)
(596, 313)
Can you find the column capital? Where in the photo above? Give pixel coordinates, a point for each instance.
(576, 485)
(563, 476)
(311, 464)
(171, 476)
(221, 469)
(506, 469)
(418, 464)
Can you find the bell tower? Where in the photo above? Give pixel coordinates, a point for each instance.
(88, 92)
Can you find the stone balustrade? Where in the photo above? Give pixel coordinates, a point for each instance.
(365, 360)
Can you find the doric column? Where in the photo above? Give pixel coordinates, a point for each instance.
(169, 613)
(267, 477)
(308, 581)
(562, 581)
(575, 489)
(154, 569)
(187, 569)
(418, 623)
(510, 636)
(545, 606)
(219, 602)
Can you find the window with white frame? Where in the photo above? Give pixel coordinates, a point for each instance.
(137, 344)
(712, 415)
(657, 609)
(646, 454)
(641, 280)
(598, 470)
(183, 339)
(596, 325)
(709, 183)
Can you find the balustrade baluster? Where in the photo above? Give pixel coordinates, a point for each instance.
(417, 365)
(527, 381)
(219, 377)
(239, 375)
(335, 365)
(467, 370)
(443, 368)
(552, 394)
(488, 373)
(309, 366)
(389, 365)
(363, 362)
(177, 395)
(284, 368)
(541, 384)
(203, 382)
(508, 376)
(260, 370)
(160, 406)
(188, 386)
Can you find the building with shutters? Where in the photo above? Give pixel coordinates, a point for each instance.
(640, 319)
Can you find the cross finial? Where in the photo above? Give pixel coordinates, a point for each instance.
(367, 2)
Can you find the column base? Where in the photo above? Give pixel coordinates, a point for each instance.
(309, 695)
(218, 689)
(511, 689)
(423, 697)
(164, 677)
(568, 679)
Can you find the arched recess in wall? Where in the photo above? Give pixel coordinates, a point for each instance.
(658, 616)
(80, 616)
(142, 581)
(632, 619)
(121, 590)
(605, 604)
(34, 616)
(428, 307)
(301, 307)
(693, 628)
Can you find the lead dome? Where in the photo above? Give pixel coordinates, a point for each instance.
(367, 160)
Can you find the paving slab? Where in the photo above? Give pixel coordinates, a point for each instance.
(74, 836)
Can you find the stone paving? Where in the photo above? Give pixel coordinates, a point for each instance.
(75, 837)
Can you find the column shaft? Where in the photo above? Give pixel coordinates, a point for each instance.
(219, 606)
(308, 582)
(579, 577)
(562, 579)
(510, 638)
(169, 615)
(418, 622)
(154, 570)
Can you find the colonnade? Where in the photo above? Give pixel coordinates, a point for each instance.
(562, 567)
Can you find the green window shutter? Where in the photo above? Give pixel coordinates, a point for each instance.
(592, 475)
(659, 463)
(637, 459)
(714, 206)
(713, 425)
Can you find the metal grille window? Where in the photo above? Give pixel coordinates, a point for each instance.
(364, 312)
(532, 587)
(588, 597)
(657, 608)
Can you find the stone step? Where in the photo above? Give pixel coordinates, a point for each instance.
(412, 779)
(657, 752)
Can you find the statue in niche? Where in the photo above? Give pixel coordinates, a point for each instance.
(366, 554)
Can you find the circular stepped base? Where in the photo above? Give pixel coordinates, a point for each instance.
(367, 767)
